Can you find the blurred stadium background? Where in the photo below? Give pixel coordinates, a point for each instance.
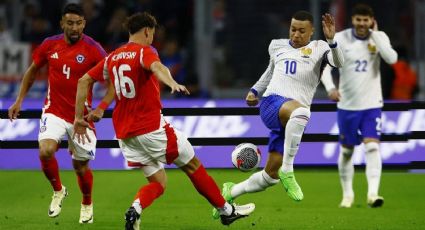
(217, 48)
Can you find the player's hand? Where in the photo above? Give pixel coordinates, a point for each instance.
(80, 131)
(328, 24)
(251, 99)
(95, 115)
(179, 88)
(14, 110)
(375, 25)
(334, 95)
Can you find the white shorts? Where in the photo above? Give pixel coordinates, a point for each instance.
(53, 127)
(151, 150)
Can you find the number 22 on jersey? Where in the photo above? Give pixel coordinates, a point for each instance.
(121, 81)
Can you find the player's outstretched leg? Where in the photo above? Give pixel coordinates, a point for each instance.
(207, 187)
(56, 203)
(257, 182)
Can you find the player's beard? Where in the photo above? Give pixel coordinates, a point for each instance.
(362, 31)
(74, 38)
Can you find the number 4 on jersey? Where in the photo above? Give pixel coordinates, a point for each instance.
(121, 81)
(67, 71)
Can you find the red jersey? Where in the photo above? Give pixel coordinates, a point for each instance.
(66, 64)
(137, 97)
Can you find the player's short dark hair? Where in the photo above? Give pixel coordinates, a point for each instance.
(73, 8)
(303, 15)
(138, 21)
(362, 9)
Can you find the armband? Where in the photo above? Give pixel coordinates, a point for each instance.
(255, 92)
(103, 105)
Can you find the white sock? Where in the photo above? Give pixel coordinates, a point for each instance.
(137, 206)
(293, 133)
(346, 171)
(258, 181)
(373, 168)
(226, 210)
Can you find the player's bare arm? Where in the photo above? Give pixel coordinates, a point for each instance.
(251, 99)
(26, 84)
(328, 24)
(97, 114)
(164, 75)
(80, 125)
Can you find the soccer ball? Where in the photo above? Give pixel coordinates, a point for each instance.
(246, 157)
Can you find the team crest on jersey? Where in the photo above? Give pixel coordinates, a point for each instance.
(80, 58)
(371, 48)
(305, 51)
(43, 126)
(43, 129)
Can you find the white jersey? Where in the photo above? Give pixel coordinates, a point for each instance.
(295, 72)
(360, 77)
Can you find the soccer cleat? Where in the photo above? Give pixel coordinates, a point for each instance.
(132, 219)
(227, 187)
(291, 186)
(86, 214)
(346, 202)
(239, 211)
(375, 201)
(56, 204)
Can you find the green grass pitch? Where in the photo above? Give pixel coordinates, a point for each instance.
(25, 195)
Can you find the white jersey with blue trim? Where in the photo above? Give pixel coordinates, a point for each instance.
(360, 77)
(295, 72)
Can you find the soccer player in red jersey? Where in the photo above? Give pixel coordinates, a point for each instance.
(146, 139)
(69, 56)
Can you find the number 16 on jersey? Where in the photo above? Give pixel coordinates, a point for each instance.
(122, 81)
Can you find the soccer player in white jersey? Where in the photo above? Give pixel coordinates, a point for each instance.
(359, 97)
(288, 86)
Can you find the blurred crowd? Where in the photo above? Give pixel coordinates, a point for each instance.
(242, 31)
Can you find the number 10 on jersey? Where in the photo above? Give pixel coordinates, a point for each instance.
(290, 66)
(121, 81)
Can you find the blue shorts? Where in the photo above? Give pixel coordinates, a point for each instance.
(356, 125)
(269, 113)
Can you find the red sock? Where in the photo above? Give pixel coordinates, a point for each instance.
(207, 187)
(86, 184)
(51, 170)
(148, 193)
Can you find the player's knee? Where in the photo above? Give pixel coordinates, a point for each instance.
(80, 167)
(191, 166)
(300, 115)
(347, 152)
(372, 148)
(47, 151)
(163, 186)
